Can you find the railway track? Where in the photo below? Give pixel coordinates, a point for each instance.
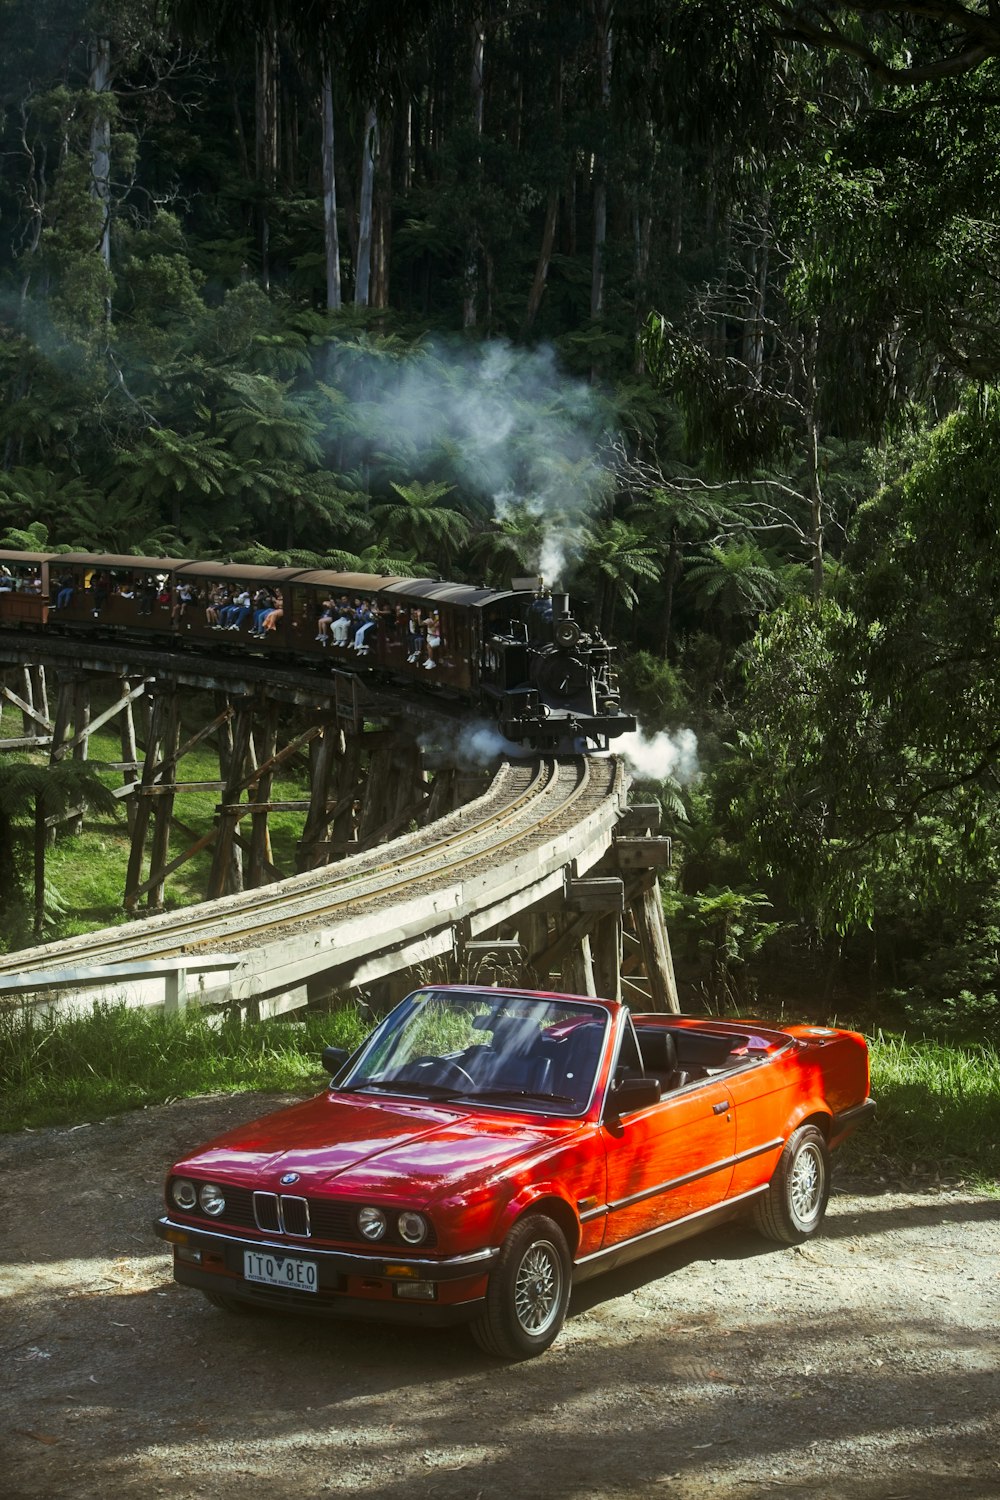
(528, 805)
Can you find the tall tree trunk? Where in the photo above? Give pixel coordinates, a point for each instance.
(642, 230)
(331, 235)
(602, 16)
(815, 483)
(100, 139)
(551, 218)
(670, 573)
(267, 144)
(241, 138)
(382, 235)
(753, 332)
(471, 292)
(369, 151)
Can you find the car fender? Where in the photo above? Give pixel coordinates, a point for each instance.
(810, 1111)
(543, 1197)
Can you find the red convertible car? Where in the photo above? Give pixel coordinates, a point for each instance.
(484, 1149)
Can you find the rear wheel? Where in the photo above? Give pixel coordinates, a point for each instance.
(528, 1291)
(792, 1209)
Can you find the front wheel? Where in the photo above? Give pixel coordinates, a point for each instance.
(528, 1292)
(792, 1209)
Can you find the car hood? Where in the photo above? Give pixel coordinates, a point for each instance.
(349, 1143)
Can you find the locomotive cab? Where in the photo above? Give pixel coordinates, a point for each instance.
(547, 680)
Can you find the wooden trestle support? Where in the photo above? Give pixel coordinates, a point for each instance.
(601, 935)
(604, 934)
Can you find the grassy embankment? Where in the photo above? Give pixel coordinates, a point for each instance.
(86, 871)
(939, 1104)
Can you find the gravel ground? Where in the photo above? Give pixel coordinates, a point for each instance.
(861, 1365)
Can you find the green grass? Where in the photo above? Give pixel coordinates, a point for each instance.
(65, 1072)
(938, 1103)
(86, 872)
(938, 1110)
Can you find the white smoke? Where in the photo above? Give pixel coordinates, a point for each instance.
(472, 746)
(520, 434)
(480, 744)
(660, 756)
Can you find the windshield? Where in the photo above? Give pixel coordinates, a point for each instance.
(514, 1050)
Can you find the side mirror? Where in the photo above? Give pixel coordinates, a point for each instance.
(334, 1059)
(631, 1094)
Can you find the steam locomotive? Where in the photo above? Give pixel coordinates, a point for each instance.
(518, 656)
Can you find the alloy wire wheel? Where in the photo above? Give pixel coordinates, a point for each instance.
(538, 1287)
(792, 1209)
(805, 1183)
(528, 1291)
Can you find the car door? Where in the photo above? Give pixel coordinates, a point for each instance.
(669, 1160)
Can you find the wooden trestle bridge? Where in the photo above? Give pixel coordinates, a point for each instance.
(410, 866)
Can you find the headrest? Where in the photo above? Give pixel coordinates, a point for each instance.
(659, 1050)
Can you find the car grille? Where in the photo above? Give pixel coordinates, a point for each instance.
(301, 1218)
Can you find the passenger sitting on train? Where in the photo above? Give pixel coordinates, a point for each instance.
(100, 587)
(415, 638)
(218, 600)
(270, 621)
(235, 615)
(327, 615)
(185, 595)
(64, 595)
(263, 603)
(147, 594)
(6, 580)
(432, 627)
(340, 629)
(366, 621)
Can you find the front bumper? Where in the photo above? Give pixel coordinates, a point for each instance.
(350, 1283)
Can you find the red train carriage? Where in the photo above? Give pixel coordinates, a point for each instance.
(515, 655)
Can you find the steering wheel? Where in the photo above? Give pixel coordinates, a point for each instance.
(451, 1074)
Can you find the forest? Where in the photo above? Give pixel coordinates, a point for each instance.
(692, 306)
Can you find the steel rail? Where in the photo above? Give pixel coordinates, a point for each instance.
(321, 896)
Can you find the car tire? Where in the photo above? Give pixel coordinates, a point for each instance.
(528, 1291)
(792, 1209)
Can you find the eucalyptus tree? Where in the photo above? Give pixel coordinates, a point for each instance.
(361, 46)
(895, 210)
(865, 778)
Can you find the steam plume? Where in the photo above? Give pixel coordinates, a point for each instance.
(660, 756)
(515, 429)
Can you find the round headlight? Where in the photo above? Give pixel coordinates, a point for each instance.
(412, 1227)
(211, 1199)
(371, 1222)
(183, 1193)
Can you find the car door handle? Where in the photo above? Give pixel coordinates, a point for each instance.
(720, 1109)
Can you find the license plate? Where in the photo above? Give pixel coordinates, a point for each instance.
(280, 1270)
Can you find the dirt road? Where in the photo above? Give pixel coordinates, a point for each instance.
(862, 1365)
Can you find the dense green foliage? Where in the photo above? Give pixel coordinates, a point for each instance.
(690, 307)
